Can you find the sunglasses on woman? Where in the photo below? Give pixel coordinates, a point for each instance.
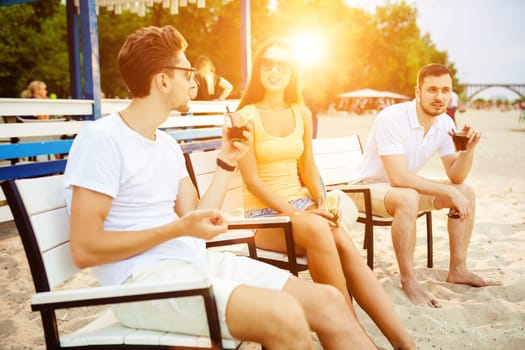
(283, 66)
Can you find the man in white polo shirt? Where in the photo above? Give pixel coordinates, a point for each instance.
(404, 136)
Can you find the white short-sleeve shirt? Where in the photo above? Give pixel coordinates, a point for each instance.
(397, 131)
(142, 176)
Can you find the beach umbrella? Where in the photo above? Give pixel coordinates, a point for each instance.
(364, 93)
(370, 93)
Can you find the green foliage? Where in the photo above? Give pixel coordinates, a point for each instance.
(382, 51)
(112, 31)
(33, 47)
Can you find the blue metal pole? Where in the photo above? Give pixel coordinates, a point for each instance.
(88, 25)
(73, 44)
(246, 42)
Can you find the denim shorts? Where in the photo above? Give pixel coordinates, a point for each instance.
(300, 203)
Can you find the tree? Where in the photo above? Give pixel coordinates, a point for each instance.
(383, 51)
(33, 47)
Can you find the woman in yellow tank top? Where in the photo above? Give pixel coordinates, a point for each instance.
(282, 151)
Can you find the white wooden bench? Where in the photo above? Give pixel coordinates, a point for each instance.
(43, 224)
(41, 139)
(336, 159)
(201, 166)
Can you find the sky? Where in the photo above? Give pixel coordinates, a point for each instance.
(484, 38)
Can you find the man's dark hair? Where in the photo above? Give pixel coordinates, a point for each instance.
(147, 52)
(432, 70)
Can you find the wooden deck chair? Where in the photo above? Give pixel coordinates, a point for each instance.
(201, 166)
(42, 221)
(337, 159)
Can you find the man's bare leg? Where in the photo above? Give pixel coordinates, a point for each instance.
(286, 318)
(460, 232)
(404, 203)
(278, 323)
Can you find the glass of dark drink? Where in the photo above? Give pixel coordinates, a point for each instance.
(460, 141)
(235, 132)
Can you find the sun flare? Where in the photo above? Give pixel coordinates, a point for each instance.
(308, 48)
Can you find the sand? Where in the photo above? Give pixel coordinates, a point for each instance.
(471, 318)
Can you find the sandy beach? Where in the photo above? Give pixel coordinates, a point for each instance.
(471, 318)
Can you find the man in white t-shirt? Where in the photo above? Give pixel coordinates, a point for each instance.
(403, 137)
(136, 218)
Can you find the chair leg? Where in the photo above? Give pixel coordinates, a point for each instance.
(430, 257)
(252, 249)
(369, 244)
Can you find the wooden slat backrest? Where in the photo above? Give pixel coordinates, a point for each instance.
(109, 105)
(45, 206)
(337, 158)
(38, 106)
(203, 166)
(42, 128)
(201, 129)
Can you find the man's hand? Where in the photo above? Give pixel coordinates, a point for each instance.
(461, 204)
(231, 152)
(474, 135)
(204, 223)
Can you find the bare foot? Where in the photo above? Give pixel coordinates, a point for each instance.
(467, 277)
(418, 295)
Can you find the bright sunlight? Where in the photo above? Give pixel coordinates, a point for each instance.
(308, 48)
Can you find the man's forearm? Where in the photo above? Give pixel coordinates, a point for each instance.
(423, 185)
(216, 192)
(461, 167)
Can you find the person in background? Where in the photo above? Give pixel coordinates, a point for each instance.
(453, 106)
(403, 138)
(210, 86)
(136, 218)
(281, 154)
(35, 89)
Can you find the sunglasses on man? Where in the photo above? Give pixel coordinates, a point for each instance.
(189, 71)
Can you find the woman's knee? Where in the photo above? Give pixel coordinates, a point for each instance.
(311, 229)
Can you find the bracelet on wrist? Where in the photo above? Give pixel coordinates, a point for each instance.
(223, 165)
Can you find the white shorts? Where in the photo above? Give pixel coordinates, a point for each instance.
(226, 272)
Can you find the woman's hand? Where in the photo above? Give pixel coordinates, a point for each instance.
(333, 216)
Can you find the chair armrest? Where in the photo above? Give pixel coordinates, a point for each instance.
(116, 294)
(284, 222)
(258, 222)
(347, 188)
(360, 188)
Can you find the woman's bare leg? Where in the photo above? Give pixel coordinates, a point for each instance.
(335, 325)
(313, 238)
(369, 294)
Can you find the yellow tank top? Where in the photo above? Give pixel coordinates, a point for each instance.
(276, 158)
